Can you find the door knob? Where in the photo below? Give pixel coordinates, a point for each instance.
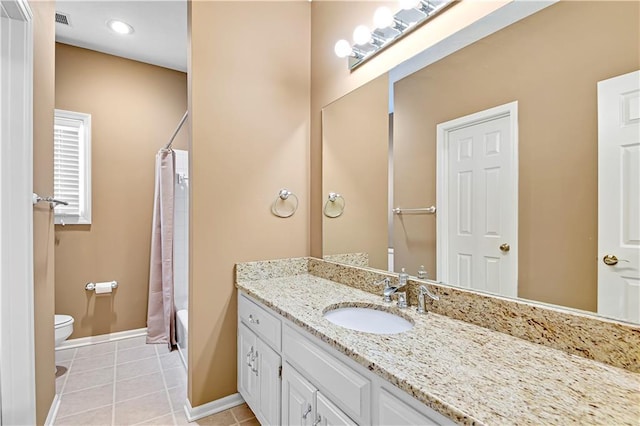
(611, 259)
(505, 247)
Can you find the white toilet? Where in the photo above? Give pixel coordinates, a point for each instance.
(64, 328)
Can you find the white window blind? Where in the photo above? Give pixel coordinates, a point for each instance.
(72, 167)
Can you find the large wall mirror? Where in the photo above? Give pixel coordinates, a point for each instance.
(526, 142)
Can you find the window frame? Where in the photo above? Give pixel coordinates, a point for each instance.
(83, 217)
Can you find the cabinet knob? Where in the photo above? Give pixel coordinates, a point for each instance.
(250, 357)
(307, 411)
(253, 359)
(318, 420)
(253, 320)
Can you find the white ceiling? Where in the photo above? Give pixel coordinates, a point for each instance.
(160, 29)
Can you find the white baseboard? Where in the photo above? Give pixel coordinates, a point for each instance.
(53, 411)
(92, 340)
(213, 407)
(183, 357)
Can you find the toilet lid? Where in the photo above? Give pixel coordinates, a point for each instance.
(61, 320)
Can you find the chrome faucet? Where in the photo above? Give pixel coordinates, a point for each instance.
(390, 290)
(422, 292)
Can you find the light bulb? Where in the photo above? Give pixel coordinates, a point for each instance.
(361, 35)
(120, 27)
(342, 48)
(409, 4)
(383, 17)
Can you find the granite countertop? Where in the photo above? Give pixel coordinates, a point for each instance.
(469, 373)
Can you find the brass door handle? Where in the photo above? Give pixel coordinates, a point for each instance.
(505, 247)
(611, 259)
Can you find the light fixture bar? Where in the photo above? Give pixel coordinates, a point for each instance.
(404, 21)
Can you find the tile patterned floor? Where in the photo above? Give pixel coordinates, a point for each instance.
(129, 383)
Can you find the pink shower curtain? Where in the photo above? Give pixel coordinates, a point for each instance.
(161, 310)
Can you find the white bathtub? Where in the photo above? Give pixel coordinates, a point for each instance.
(182, 332)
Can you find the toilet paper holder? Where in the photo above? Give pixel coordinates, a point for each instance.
(92, 286)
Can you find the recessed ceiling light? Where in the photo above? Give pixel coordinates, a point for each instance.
(120, 27)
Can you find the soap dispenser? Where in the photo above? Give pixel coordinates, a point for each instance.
(403, 277)
(422, 273)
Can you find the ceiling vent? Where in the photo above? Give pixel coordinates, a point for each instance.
(63, 19)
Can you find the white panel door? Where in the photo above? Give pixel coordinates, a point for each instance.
(619, 197)
(480, 203)
(328, 414)
(298, 398)
(17, 353)
(269, 382)
(247, 366)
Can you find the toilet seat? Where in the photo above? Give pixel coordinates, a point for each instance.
(63, 320)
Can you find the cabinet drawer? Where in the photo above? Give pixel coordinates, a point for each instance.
(394, 411)
(341, 384)
(264, 324)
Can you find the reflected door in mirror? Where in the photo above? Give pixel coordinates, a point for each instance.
(619, 197)
(477, 192)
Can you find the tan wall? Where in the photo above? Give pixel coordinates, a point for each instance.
(43, 235)
(355, 152)
(551, 68)
(331, 79)
(249, 103)
(134, 109)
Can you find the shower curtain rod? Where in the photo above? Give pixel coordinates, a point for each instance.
(184, 118)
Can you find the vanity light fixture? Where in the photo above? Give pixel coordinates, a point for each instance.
(388, 27)
(119, 27)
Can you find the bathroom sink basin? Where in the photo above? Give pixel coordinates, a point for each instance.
(368, 320)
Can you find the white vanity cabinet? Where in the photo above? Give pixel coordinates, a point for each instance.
(289, 377)
(259, 364)
(327, 414)
(298, 398)
(304, 405)
(392, 410)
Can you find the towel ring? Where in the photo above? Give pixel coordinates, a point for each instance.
(332, 202)
(283, 196)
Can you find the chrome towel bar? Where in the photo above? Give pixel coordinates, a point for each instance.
(52, 201)
(422, 210)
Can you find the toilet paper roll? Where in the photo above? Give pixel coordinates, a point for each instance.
(102, 288)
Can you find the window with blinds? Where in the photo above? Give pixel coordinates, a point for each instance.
(72, 167)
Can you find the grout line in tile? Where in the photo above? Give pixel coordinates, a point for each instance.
(139, 359)
(66, 374)
(135, 377)
(81, 412)
(155, 418)
(115, 372)
(234, 416)
(166, 390)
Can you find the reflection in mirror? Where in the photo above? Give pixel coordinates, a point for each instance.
(544, 72)
(355, 156)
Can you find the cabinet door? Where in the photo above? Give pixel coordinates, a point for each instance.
(329, 414)
(298, 398)
(247, 365)
(269, 364)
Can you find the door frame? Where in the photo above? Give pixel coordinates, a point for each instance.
(17, 347)
(443, 131)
